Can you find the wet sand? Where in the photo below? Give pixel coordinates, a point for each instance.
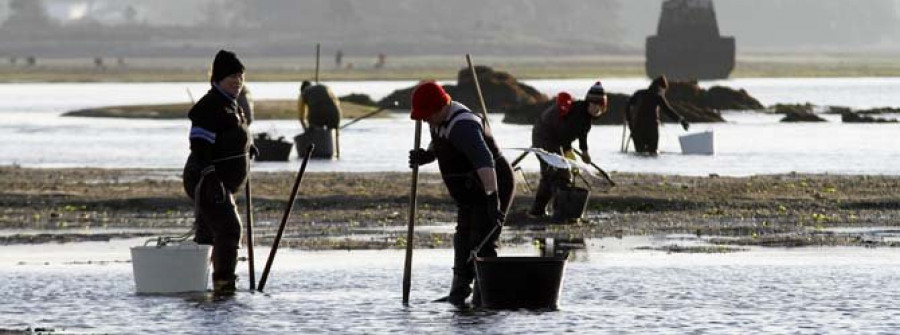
(369, 210)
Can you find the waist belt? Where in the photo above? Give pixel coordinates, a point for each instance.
(229, 158)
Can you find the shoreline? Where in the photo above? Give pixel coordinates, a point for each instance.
(264, 109)
(369, 210)
(262, 69)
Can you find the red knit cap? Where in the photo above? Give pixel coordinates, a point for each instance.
(428, 98)
(564, 101)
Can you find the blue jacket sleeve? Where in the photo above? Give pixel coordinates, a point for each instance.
(466, 136)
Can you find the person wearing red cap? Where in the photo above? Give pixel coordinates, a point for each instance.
(642, 115)
(555, 130)
(477, 176)
(217, 167)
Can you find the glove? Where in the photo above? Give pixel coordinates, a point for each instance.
(586, 158)
(685, 124)
(254, 151)
(215, 187)
(420, 157)
(494, 212)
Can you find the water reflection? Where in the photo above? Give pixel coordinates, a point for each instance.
(572, 248)
(615, 289)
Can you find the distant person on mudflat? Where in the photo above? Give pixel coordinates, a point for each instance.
(318, 107)
(217, 167)
(555, 130)
(338, 59)
(477, 176)
(643, 117)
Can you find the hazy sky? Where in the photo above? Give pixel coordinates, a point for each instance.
(516, 26)
(785, 24)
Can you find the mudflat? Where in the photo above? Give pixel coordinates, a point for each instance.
(369, 210)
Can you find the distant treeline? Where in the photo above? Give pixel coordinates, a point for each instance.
(423, 27)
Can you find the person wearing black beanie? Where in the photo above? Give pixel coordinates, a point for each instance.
(554, 131)
(225, 64)
(218, 165)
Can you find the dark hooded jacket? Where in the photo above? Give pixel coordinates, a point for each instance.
(552, 131)
(219, 137)
(644, 107)
(323, 107)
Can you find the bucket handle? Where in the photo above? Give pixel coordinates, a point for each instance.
(162, 241)
(475, 251)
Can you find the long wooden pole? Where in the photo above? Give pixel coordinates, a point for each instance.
(519, 159)
(284, 218)
(622, 147)
(318, 52)
(413, 189)
(487, 123)
(602, 172)
(250, 259)
(337, 142)
(628, 142)
(370, 114)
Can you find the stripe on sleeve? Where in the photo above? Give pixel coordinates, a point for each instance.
(202, 134)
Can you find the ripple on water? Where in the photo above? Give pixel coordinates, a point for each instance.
(624, 292)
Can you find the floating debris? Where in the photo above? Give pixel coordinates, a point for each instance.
(696, 249)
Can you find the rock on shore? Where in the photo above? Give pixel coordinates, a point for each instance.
(501, 92)
(688, 98)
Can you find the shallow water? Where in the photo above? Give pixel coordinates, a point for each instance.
(610, 288)
(33, 134)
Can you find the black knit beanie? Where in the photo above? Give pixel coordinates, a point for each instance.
(225, 64)
(596, 93)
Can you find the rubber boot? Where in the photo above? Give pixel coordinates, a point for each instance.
(459, 291)
(224, 262)
(224, 287)
(541, 198)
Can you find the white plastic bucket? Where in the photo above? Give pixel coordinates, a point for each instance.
(698, 143)
(171, 269)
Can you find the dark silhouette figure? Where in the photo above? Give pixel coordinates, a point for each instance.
(318, 107)
(642, 114)
(382, 58)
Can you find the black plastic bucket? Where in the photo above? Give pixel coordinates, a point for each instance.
(520, 282)
(570, 203)
(272, 150)
(323, 139)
